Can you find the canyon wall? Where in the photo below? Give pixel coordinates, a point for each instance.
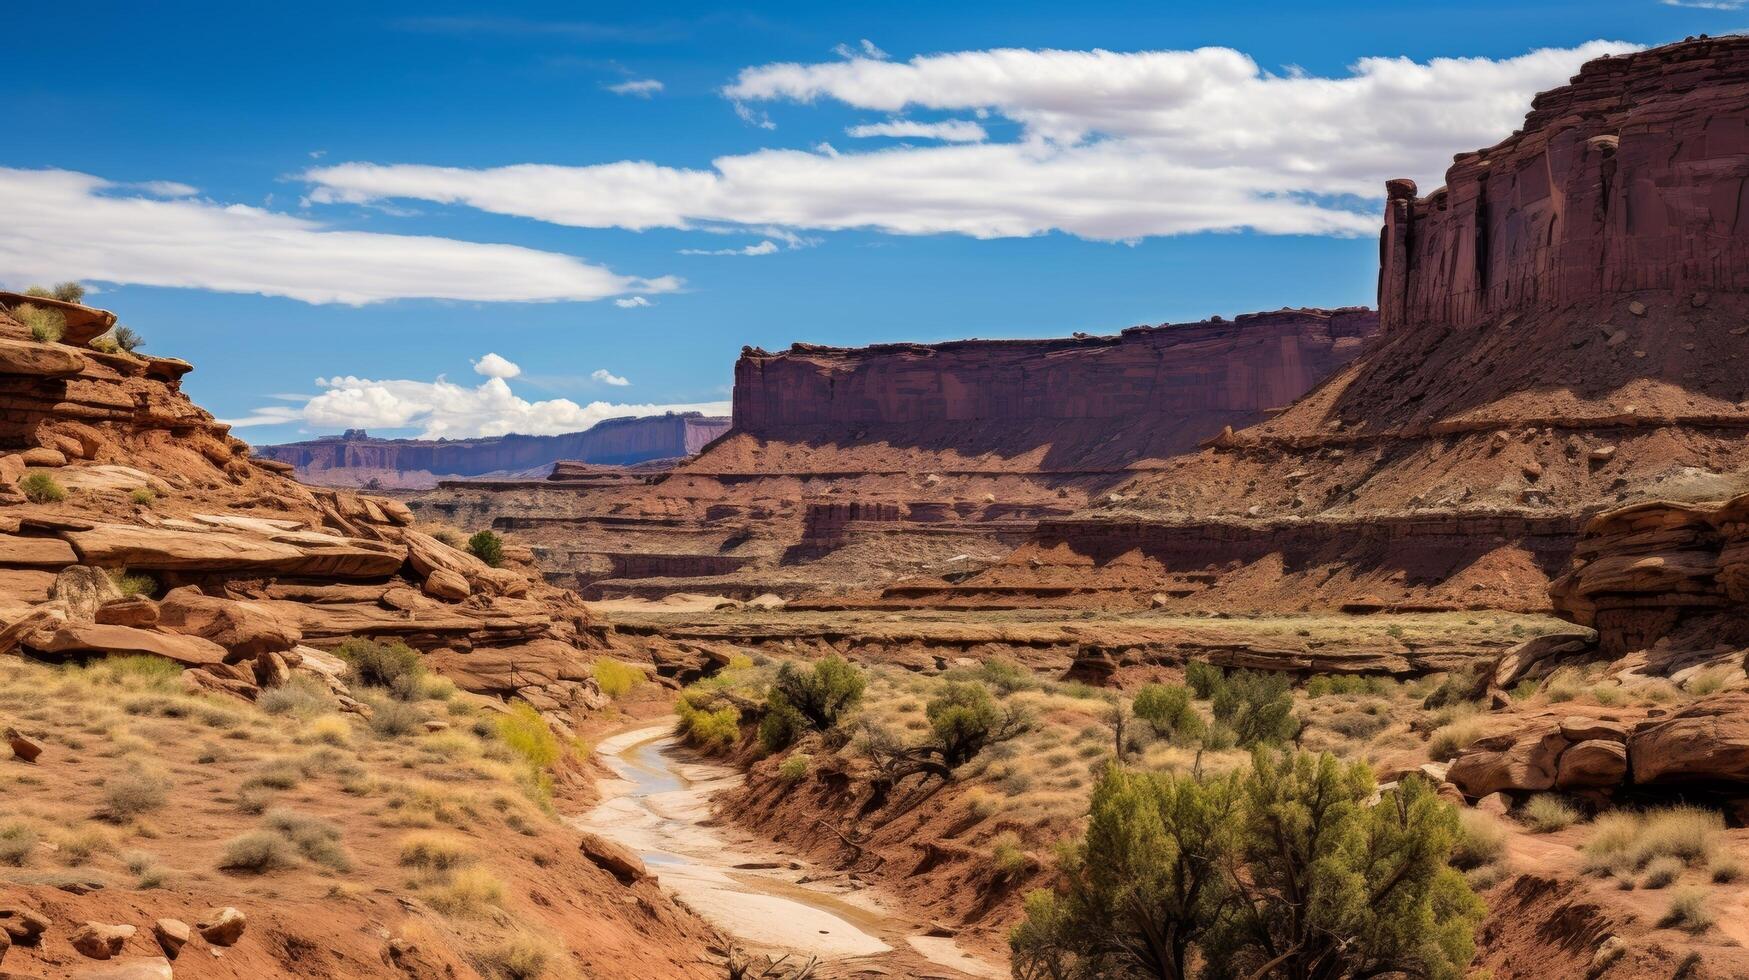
(1630, 178)
(1257, 362)
(610, 442)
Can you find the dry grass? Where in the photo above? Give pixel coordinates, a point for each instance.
(1481, 840)
(1688, 911)
(1547, 813)
(1628, 842)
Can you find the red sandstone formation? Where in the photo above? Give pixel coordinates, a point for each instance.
(849, 467)
(355, 459)
(1563, 330)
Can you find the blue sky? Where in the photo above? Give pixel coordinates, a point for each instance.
(286, 193)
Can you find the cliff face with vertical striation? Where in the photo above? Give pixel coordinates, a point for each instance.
(355, 458)
(1564, 329)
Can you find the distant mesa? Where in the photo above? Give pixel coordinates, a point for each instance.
(356, 459)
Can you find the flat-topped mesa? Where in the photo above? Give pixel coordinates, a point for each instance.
(1257, 362)
(355, 458)
(1630, 178)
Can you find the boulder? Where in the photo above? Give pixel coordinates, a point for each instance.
(1592, 764)
(43, 456)
(613, 859)
(99, 940)
(222, 926)
(1519, 764)
(20, 357)
(1708, 740)
(1520, 660)
(427, 554)
(445, 584)
(24, 748)
(172, 935)
(136, 611)
(244, 628)
(92, 639)
(23, 926)
(83, 589)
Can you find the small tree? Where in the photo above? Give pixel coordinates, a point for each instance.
(965, 720)
(1167, 710)
(488, 547)
(1258, 707)
(822, 694)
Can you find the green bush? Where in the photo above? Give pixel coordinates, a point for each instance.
(1258, 707)
(794, 768)
(393, 719)
(68, 292)
(616, 679)
(1168, 711)
(127, 338)
(964, 719)
(144, 496)
(42, 488)
(131, 793)
(1327, 685)
(1007, 676)
(707, 728)
(392, 664)
(1203, 678)
(258, 852)
(129, 584)
(46, 326)
(822, 693)
(315, 839)
(1547, 813)
(782, 723)
(488, 547)
(1281, 871)
(531, 740)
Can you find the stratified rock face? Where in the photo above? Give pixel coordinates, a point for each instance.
(1630, 178)
(355, 457)
(848, 468)
(1159, 377)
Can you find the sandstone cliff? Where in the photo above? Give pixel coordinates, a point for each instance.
(355, 459)
(1563, 330)
(848, 467)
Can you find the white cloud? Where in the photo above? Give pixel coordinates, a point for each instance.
(632, 302)
(949, 131)
(66, 225)
(1707, 4)
(766, 247)
(864, 49)
(166, 188)
(493, 366)
(643, 88)
(443, 409)
(607, 377)
(1112, 146)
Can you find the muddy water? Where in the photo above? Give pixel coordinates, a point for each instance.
(659, 806)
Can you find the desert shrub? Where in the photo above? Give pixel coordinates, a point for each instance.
(1449, 740)
(1202, 678)
(794, 768)
(1547, 813)
(1258, 707)
(488, 547)
(965, 719)
(40, 487)
(1007, 856)
(392, 664)
(616, 679)
(470, 891)
(391, 718)
(139, 670)
(1327, 685)
(143, 496)
(1726, 870)
(1662, 872)
(68, 292)
(1481, 840)
(329, 730)
(781, 725)
(1629, 841)
(276, 774)
(1176, 870)
(518, 958)
(534, 747)
(713, 729)
(133, 792)
(16, 841)
(1006, 676)
(45, 325)
(301, 696)
(258, 852)
(133, 583)
(1688, 910)
(315, 839)
(1706, 682)
(82, 845)
(126, 338)
(1167, 710)
(435, 852)
(822, 693)
(1454, 688)
(1355, 724)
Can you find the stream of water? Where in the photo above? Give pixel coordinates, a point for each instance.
(659, 806)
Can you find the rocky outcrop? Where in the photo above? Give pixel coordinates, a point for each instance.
(353, 459)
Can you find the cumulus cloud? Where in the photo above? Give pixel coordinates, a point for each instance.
(607, 377)
(1112, 146)
(444, 409)
(763, 248)
(493, 366)
(948, 131)
(632, 302)
(643, 88)
(66, 225)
